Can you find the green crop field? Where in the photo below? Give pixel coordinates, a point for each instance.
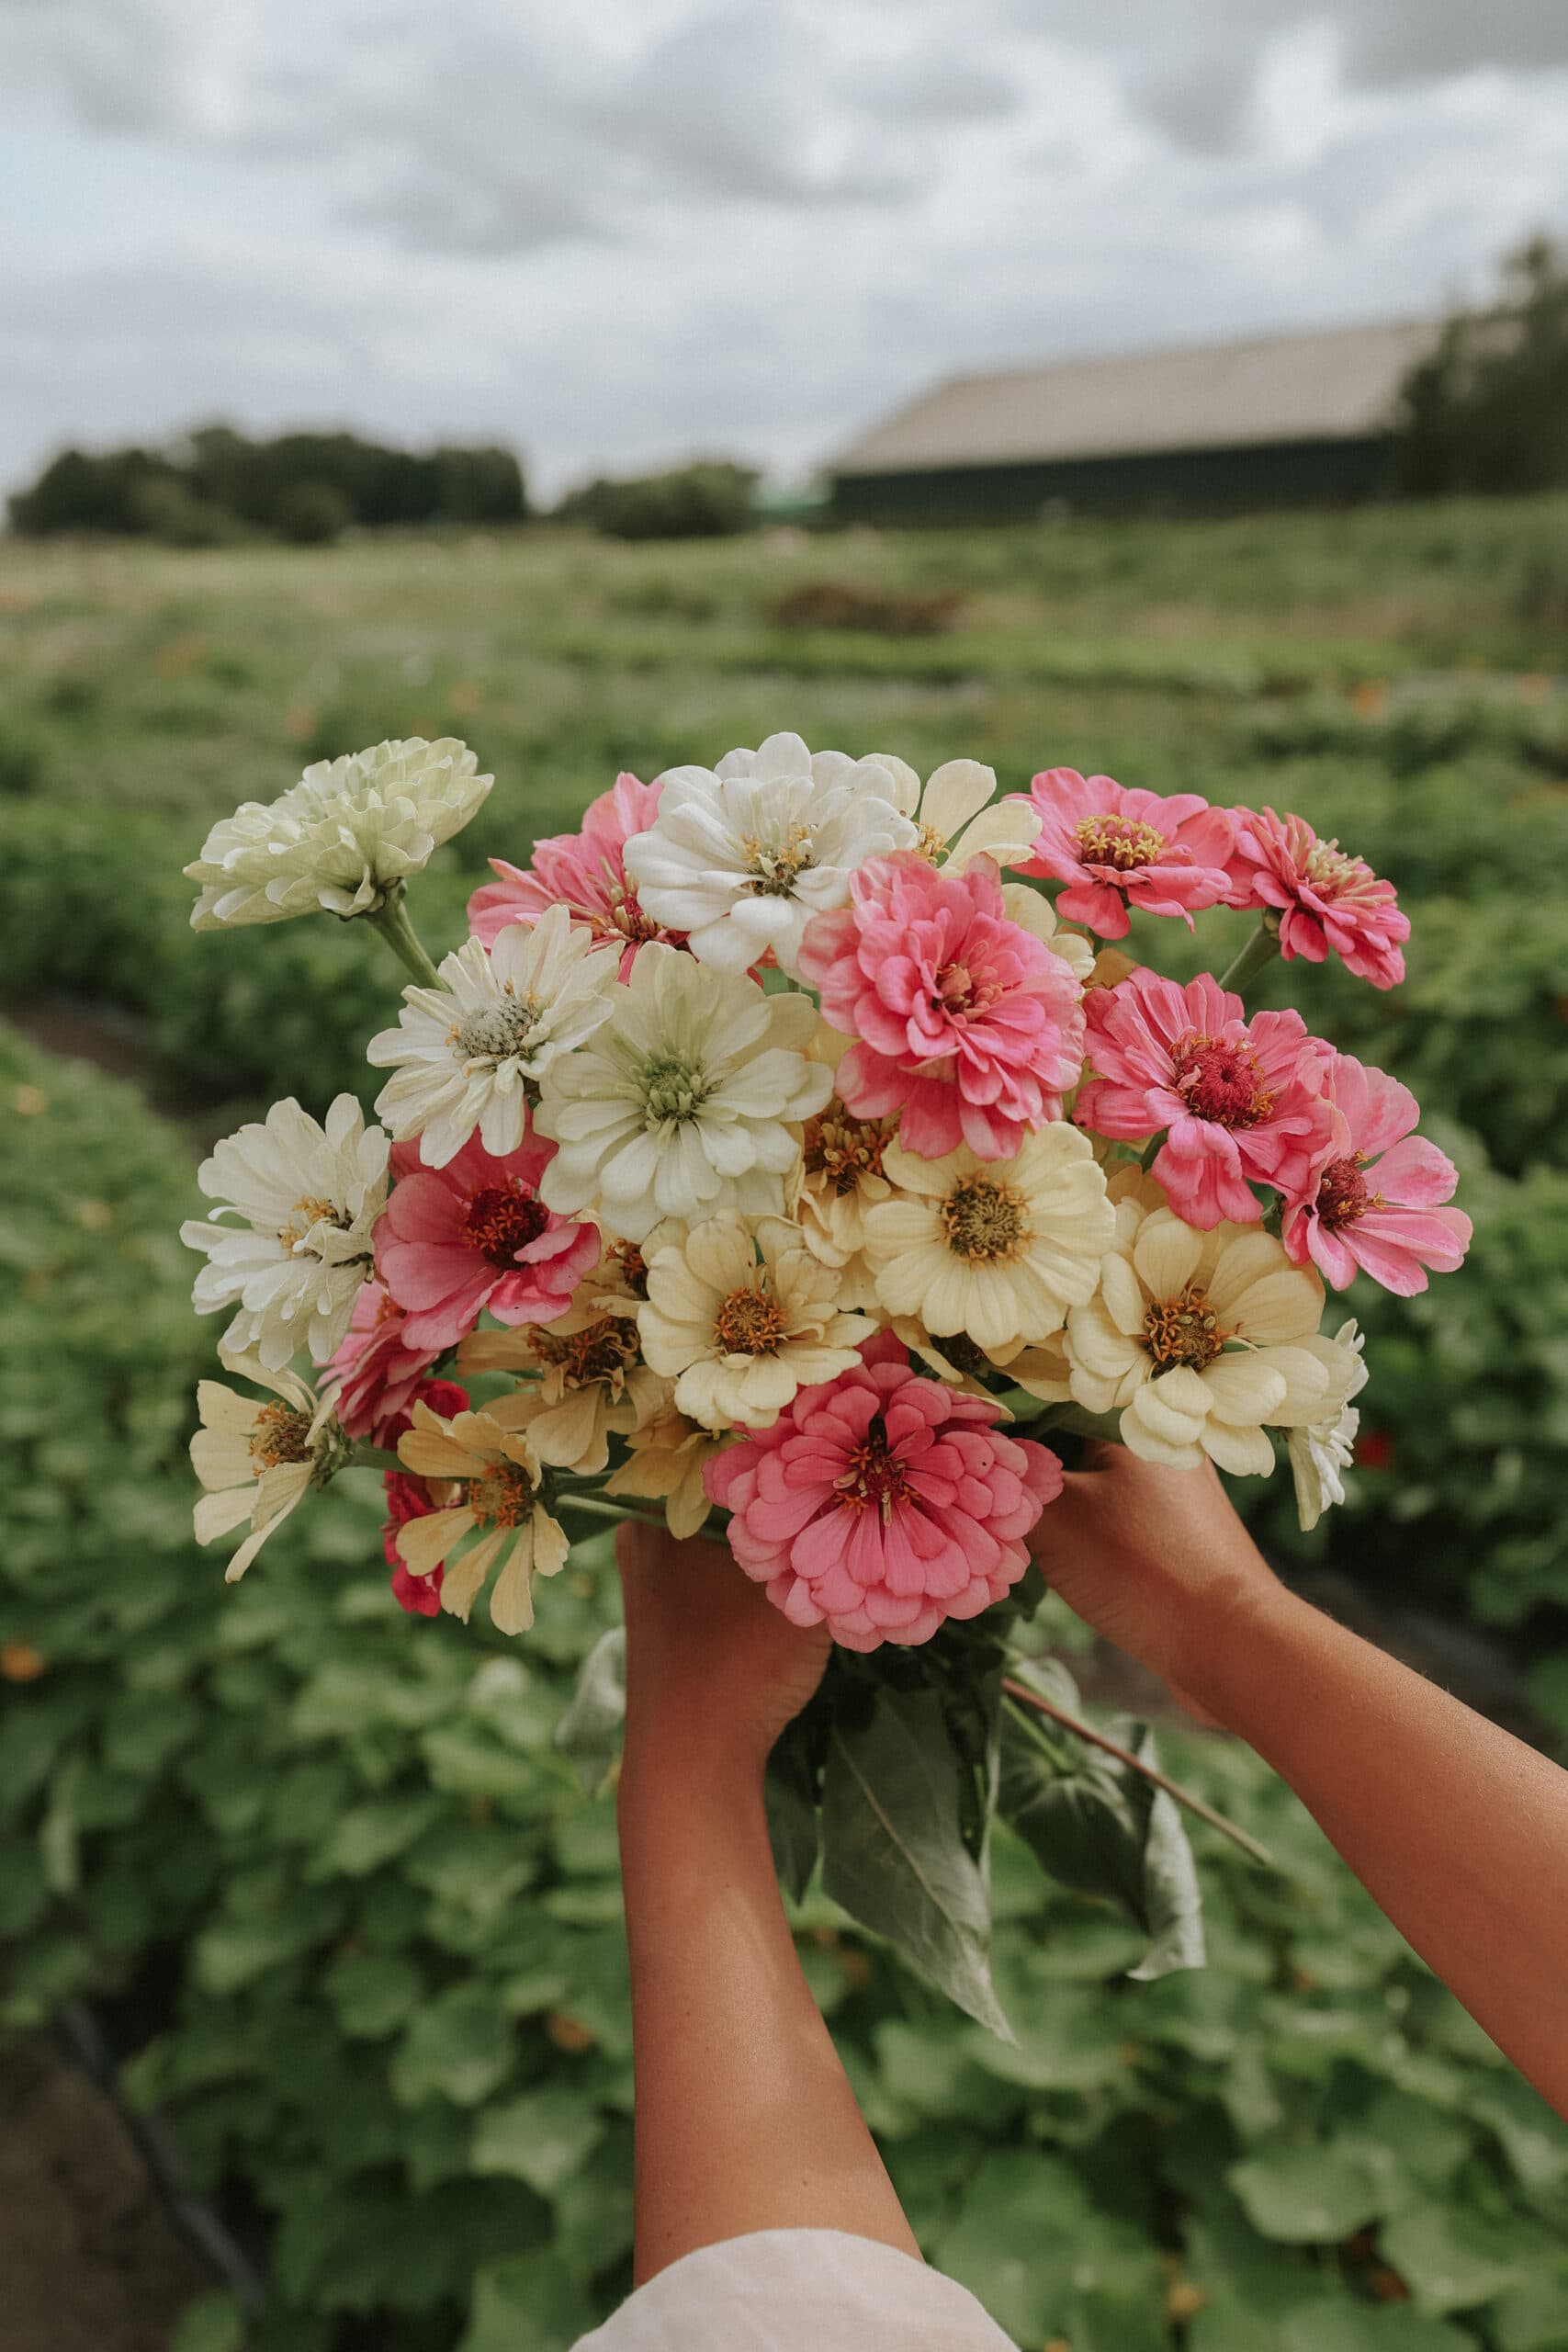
(345, 1912)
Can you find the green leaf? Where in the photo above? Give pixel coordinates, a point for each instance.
(893, 1853)
(459, 2048)
(1529, 2318)
(1307, 2194)
(542, 2138)
(1046, 2263)
(1533, 2136)
(789, 1791)
(372, 1992)
(589, 1733)
(530, 2302)
(1100, 1828)
(1449, 2258)
(1332, 2326)
(212, 2324)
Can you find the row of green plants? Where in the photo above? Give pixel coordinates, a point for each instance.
(354, 1922)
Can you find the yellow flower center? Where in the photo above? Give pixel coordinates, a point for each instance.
(279, 1433)
(1333, 871)
(842, 1150)
(307, 1211)
(749, 1323)
(775, 866)
(1182, 1330)
(603, 1351)
(930, 843)
(632, 1266)
(505, 1495)
(984, 1220)
(1121, 843)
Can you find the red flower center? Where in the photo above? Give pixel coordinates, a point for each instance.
(1222, 1082)
(1343, 1193)
(503, 1219)
(1121, 843)
(873, 1475)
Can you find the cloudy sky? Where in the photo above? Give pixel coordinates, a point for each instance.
(630, 230)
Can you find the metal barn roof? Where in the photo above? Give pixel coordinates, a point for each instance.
(1336, 385)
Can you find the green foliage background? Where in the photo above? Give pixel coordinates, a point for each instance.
(339, 1894)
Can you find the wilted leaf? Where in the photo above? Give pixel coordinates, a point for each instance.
(589, 1733)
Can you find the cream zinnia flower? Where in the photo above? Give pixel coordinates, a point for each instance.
(741, 1321)
(955, 816)
(309, 1197)
(1031, 911)
(841, 1179)
(997, 1249)
(687, 1101)
(741, 856)
(343, 839)
(489, 1451)
(1320, 1450)
(258, 1461)
(1203, 1341)
(665, 1460)
(591, 1381)
(464, 1053)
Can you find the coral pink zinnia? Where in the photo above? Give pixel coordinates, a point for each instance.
(968, 1025)
(475, 1234)
(1325, 897)
(581, 871)
(1378, 1203)
(882, 1503)
(1115, 847)
(1242, 1100)
(379, 1368)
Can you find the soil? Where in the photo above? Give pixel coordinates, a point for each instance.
(89, 2260)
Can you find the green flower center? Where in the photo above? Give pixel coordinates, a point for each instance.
(499, 1034)
(672, 1088)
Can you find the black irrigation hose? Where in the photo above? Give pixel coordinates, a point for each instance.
(197, 2220)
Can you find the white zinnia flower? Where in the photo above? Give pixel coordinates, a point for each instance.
(309, 1197)
(998, 1249)
(342, 839)
(258, 1461)
(687, 1101)
(1322, 1450)
(741, 856)
(1203, 1341)
(741, 1321)
(462, 1053)
(953, 813)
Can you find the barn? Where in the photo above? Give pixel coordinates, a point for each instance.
(1283, 420)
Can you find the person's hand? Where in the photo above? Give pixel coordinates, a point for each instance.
(713, 1671)
(1156, 1561)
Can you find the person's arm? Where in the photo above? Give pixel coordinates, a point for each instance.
(1456, 1829)
(745, 2118)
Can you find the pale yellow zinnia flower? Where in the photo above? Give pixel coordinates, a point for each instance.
(741, 1315)
(258, 1461)
(998, 1249)
(1203, 1341)
(591, 1381)
(498, 1469)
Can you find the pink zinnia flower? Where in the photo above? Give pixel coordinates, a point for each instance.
(581, 871)
(882, 1503)
(1242, 1100)
(1117, 847)
(1378, 1203)
(409, 1498)
(968, 1025)
(475, 1234)
(1325, 899)
(377, 1364)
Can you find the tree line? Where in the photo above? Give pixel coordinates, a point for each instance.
(218, 484)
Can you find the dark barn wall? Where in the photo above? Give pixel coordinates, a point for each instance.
(1299, 473)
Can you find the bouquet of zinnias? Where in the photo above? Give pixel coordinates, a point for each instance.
(772, 1154)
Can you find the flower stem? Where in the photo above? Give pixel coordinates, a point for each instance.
(373, 1457)
(392, 920)
(1260, 949)
(597, 1508)
(1021, 1696)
